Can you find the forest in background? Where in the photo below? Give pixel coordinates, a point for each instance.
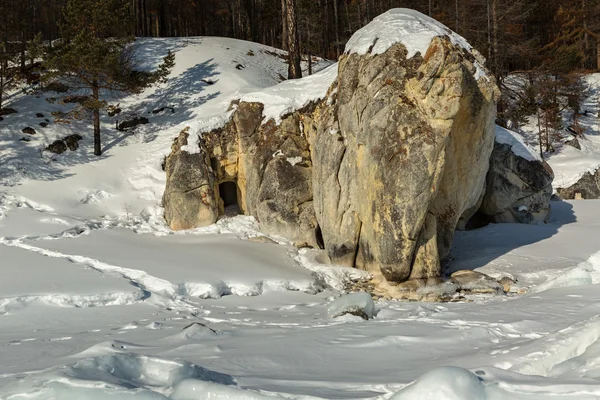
(512, 34)
(552, 41)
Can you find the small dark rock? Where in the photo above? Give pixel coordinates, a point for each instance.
(25, 139)
(29, 130)
(208, 81)
(39, 115)
(239, 66)
(72, 141)
(43, 124)
(573, 143)
(57, 147)
(158, 111)
(8, 111)
(555, 197)
(132, 123)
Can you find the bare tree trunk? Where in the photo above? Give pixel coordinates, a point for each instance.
(96, 97)
(598, 53)
(294, 68)
(1, 83)
(336, 27)
(547, 133)
(284, 30)
(539, 123)
(456, 15)
(586, 42)
(348, 16)
(489, 30)
(495, 50)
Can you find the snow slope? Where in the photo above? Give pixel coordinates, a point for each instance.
(100, 300)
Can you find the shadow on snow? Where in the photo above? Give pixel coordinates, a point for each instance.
(477, 248)
(26, 159)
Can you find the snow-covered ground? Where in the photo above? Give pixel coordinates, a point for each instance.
(99, 299)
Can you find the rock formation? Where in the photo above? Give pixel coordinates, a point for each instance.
(519, 184)
(587, 187)
(378, 173)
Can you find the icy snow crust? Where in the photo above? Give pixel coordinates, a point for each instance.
(100, 300)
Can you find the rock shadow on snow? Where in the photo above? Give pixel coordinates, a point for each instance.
(476, 248)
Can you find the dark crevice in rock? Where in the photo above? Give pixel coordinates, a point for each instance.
(356, 252)
(319, 237)
(229, 193)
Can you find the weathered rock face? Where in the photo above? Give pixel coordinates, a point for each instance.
(378, 173)
(189, 197)
(518, 189)
(409, 157)
(587, 187)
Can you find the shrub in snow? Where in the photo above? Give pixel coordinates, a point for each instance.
(360, 304)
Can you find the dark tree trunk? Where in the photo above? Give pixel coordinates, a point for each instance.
(97, 141)
(294, 68)
(284, 27)
(1, 83)
(336, 27)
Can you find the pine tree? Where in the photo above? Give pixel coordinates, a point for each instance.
(95, 55)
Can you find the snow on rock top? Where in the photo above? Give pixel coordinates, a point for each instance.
(409, 27)
(294, 94)
(400, 25)
(515, 141)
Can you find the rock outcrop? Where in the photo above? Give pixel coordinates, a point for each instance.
(378, 173)
(519, 184)
(586, 188)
